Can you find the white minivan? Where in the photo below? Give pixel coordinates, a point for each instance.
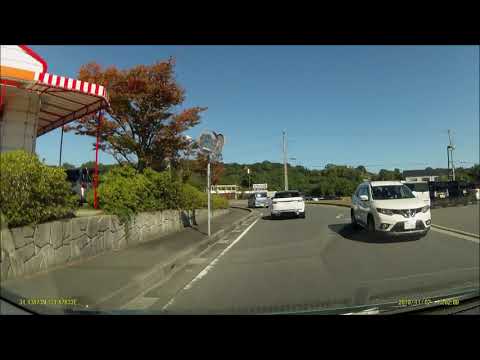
(420, 189)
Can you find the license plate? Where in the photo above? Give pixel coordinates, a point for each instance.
(410, 224)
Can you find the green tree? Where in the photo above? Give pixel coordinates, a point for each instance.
(397, 174)
(361, 169)
(67, 166)
(474, 173)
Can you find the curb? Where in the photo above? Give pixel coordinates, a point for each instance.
(163, 271)
(456, 231)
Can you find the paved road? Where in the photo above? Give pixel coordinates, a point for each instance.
(293, 264)
(465, 218)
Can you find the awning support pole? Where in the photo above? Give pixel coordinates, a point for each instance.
(95, 182)
(61, 148)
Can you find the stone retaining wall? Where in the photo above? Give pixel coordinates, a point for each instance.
(27, 250)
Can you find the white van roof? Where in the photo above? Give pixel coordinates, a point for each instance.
(385, 183)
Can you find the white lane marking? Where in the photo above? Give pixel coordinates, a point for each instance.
(460, 236)
(371, 311)
(172, 300)
(211, 265)
(214, 261)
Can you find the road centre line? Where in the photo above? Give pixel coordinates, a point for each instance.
(210, 265)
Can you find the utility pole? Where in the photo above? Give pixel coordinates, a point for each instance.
(285, 160)
(448, 160)
(450, 149)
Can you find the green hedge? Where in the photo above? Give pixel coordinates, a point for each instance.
(31, 192)
(219, 202)
(123, 191)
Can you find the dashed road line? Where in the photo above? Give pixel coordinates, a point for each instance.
(210, 266)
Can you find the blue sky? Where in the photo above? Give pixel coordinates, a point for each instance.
(380, 106)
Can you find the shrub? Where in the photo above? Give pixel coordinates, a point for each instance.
(166, 190)
(31, 192)
(192, 198)
(219, 202)
(124, 192)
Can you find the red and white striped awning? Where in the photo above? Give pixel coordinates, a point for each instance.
(70, 84)
(65, 100)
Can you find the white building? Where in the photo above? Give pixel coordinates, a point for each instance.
(423, 175)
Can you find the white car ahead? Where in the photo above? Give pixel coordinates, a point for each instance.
(287, 203)
(391, 208)
(420, 189)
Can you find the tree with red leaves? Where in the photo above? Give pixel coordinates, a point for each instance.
(216, 167)
(141, 127)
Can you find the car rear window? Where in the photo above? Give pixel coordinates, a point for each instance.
(261, 195)
(287, 194)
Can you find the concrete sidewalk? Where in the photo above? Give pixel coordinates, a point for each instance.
(111, 278)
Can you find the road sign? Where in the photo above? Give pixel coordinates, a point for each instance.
(259, 187)
(207, 141)
(220, 140)
(210, 143)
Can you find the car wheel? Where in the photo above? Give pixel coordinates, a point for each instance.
(354, 221)
(370, 224)
(302, 215)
